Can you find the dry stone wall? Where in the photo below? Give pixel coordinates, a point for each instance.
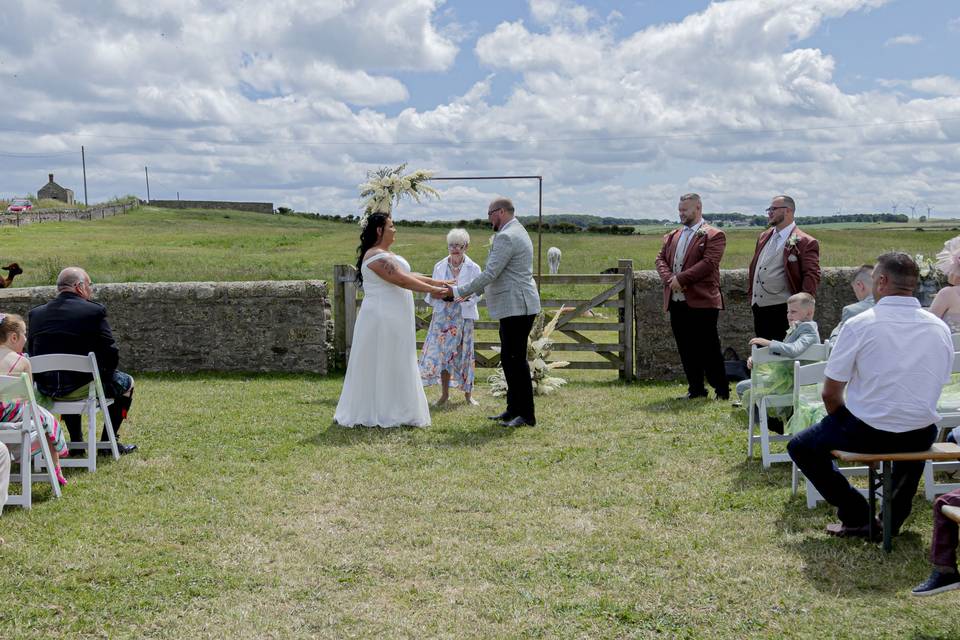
(256, 207)
(210, 326)
(656, 354)
(61, 215)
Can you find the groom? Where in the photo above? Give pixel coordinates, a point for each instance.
(512, 298)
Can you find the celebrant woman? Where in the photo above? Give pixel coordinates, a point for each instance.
(448, 348)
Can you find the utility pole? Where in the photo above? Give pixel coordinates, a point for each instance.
(83, 159)
(147, 175)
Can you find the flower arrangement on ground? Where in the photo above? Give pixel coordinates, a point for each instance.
(539, 347)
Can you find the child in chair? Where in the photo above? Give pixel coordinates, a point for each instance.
(803, 333)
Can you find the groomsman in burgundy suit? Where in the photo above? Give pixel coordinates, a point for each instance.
(786, 261)
(689, 266)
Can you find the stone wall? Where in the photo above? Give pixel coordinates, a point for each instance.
(656, 354)
(210, 326)
(256, 207)
(60, 215)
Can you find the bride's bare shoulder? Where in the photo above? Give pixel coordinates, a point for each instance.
(373, 251)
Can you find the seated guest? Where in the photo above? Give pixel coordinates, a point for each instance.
(801, 334)
(862, 288)
(448, 348)
(71, 323)
(946, 305)
(892, 361)
(943, 549)
(13, 335)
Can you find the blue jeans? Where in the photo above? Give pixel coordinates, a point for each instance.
(811, 448)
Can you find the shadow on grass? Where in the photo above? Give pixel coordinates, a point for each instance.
(749, 474)
(338, 436)
(849, 567)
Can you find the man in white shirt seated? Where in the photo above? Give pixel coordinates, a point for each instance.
(892, 360)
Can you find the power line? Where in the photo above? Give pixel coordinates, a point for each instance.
(456, 143)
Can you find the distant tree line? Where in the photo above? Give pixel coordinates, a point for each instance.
(576, 223)
(741, 219)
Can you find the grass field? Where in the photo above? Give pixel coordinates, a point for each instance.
(623, 514)
(245, 514)
(156, 245)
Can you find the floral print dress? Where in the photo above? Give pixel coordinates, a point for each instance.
(448, 347)
(13, 412)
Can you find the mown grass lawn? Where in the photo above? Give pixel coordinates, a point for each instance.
(163, 245)
(623, 514)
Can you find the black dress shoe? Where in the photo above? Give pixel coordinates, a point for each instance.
(693, 396)
(722, 394)
(122, 449)
(503, 417)
(841, 530)
(517, 422)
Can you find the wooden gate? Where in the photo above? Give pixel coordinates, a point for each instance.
(581, 317)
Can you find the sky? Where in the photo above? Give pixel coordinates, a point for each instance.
(846, 105)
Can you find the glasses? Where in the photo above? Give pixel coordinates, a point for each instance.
(771, 209)
(490, 213)
(456, 246)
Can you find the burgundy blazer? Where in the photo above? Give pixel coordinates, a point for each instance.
(801, 261)
(700, 275)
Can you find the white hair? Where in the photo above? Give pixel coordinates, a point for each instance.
(458, 236)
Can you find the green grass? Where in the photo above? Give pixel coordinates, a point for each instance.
(157, 245)
(623, 514)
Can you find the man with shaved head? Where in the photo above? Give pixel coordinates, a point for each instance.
(72, 323)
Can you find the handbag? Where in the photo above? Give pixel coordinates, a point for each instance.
(735, 368)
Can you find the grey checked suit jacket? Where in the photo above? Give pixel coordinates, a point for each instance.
(507, 278)
(793, 345)
(851, 310)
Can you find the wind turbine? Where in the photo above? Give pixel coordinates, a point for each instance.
(893, 207)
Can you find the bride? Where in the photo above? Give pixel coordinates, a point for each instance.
(382, 387)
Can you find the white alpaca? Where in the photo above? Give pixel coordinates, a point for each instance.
(553, 259)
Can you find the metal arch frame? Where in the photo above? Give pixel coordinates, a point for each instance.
(539, 180)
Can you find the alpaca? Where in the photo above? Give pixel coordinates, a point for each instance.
(553, 259)
(13, 270)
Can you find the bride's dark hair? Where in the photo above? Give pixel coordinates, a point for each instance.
(370, 237)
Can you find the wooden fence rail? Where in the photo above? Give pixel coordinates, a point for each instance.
(615, 353)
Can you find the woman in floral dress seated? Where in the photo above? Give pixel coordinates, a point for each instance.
(448, 348)
(13, 335)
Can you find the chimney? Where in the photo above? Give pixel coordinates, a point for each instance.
(51, 176)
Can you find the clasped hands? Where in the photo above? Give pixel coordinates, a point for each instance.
(446, 292)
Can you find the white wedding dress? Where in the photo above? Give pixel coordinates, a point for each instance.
(382, 387)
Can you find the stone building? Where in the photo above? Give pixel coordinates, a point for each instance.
(53, 191)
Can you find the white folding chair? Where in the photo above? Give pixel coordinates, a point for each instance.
(759, 404)
(949, 418)
(22, 434)
(95, 402)
(956, 341)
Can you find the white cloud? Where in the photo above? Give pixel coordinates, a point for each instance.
(954, 25)
(904, 39)
(292, 102)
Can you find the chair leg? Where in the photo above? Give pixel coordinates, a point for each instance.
(794, 478)
(91, 440)
(764, 436)
(929, 488)
(750, 428)
(26, 478)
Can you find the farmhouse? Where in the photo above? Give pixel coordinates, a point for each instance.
(53, 191)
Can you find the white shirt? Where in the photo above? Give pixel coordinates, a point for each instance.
(895, 359)
(780, 237)
(685, 236)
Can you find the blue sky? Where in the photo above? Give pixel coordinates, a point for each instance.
(847, 105)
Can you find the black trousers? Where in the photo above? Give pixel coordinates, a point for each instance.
(770, 322)
(698, 343)
(514, 331)
(117, 412)
(811, 448)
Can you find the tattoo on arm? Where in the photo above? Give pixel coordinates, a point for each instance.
(390, 266)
